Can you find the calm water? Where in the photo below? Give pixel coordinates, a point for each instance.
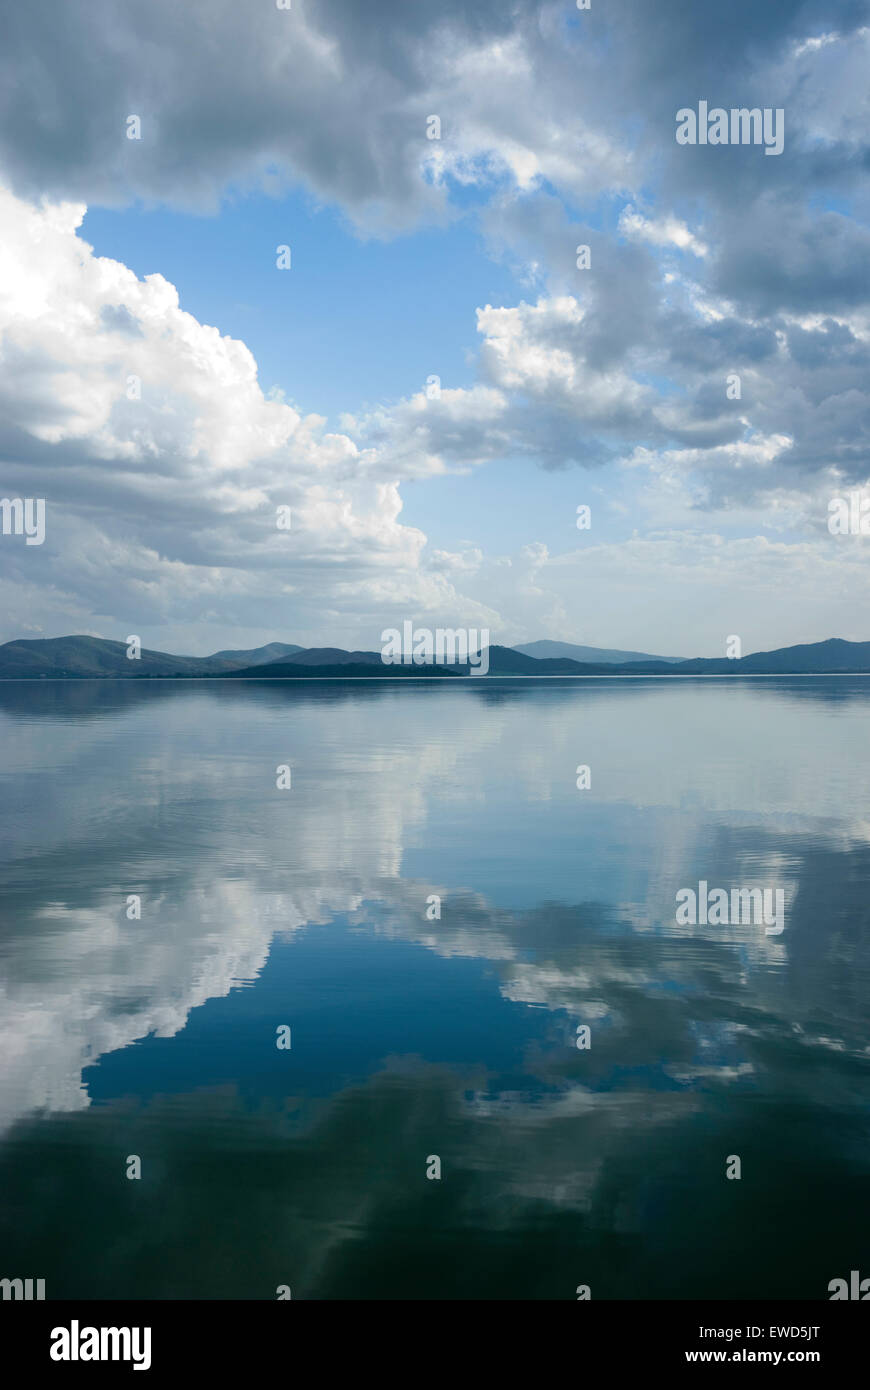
(411, 1037)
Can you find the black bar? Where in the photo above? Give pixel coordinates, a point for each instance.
(241, 1338)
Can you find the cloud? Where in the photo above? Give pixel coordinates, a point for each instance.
(696, 587)
(163, 465)
(336, 95)
(162, 507)
(660, 231)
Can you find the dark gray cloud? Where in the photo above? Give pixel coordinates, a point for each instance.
(336, 93)
(786, 257)
(332, 94)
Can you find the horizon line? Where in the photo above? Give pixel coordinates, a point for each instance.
(460, 680)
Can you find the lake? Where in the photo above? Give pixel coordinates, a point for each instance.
(421, 1022)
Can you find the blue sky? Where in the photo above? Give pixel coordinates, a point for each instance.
(358, 322)
(327, 332)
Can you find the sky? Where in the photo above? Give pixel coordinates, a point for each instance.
(427, 375)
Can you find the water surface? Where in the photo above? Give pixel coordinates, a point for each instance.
(413, 1038)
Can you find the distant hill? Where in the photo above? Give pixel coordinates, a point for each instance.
(508, 661)
(817, 658)
(543, 651)
(333, 656)
(814, 658)
(502, 661)
(85, 657)
(95, 656)
(811, 658)
(70, 657)
(258, 656)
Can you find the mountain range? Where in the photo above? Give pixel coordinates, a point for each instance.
(60, 657)
(87, 657)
